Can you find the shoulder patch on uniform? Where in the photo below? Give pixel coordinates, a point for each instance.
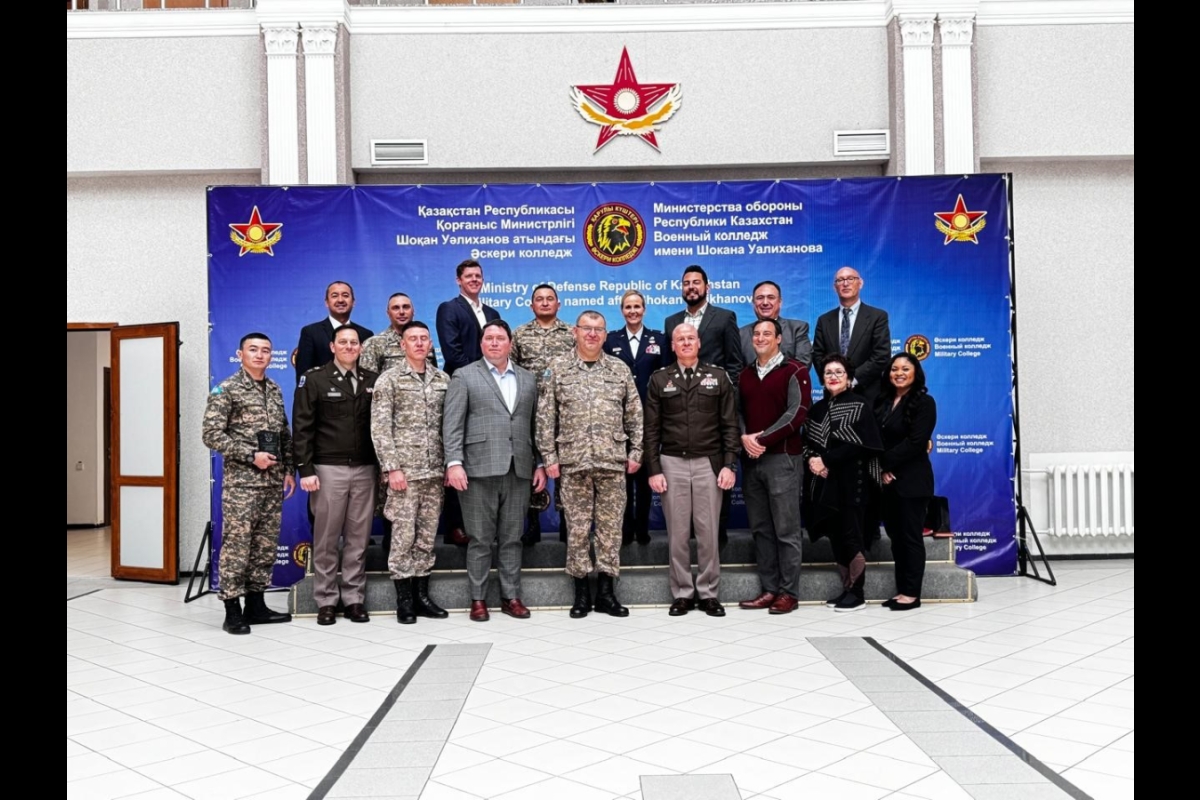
(303, 380)
(217, 390)
(311, 370)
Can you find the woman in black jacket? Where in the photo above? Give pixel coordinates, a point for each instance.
(907, 415)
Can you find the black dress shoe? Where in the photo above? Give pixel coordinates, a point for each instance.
(711, 606)
(326, 615)
(681, 606)
(643, 537)
(357, 612)
(896, 605)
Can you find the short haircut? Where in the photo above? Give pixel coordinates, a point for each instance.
(394, 295)
(590, 312)
(254, 335)
(697, 269)
(416, 323)
(633, 293)
(465, 265)
(496, 323)
(541, 286)
(341, 328)
(836, 358)
(339, 283)
(683, 326)
(774, 324)
(761, 284)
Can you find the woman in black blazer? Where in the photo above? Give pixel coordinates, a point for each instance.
(907, 415)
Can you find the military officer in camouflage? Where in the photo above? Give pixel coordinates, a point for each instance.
(246, 423)
(406, 426)
(589, 432)
(535, 344)
(384, 350)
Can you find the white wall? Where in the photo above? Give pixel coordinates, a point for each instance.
(84, 406)
(1073, 228)
(502, 101)
(1055, 91)
(159, 105)
(136, 253)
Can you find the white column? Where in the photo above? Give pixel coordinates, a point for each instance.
(916, 35)
(320, 106)
(958, 124)
(283, 124)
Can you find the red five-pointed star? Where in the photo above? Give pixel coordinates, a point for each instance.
(625, 98)
(960, 224)
(255, 234)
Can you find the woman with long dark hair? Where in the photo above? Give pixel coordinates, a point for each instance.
(841, 449)
(907, 415)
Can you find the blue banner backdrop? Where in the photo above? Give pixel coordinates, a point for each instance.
(932, 251)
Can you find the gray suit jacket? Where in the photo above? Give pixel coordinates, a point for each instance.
(795, 341)
(479, 431)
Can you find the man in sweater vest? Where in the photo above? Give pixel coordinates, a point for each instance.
(774, 396)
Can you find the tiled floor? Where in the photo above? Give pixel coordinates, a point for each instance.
(162, 704)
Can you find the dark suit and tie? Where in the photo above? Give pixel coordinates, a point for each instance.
(458, 332)
(643, 357)
(313, 348)
(494, 445)
(865, 338)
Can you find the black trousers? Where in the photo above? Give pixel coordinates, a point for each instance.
(845, 531)
(904, 519)
(638, 499)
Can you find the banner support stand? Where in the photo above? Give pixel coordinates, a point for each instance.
(206, 576)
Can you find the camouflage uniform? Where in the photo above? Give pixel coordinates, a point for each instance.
(589, 422)
(534, 347)
(251, 498)
(406, 426)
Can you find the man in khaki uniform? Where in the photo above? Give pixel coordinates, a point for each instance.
(535, 344)
(589, 432)
(406, 427)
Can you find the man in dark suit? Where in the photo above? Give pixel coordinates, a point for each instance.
(313, 349)
(642, 351)
(459, 325)
(719, 340)
(768, 299)
(487, 431)
(857, 331)
(459, 321)
(720, 344)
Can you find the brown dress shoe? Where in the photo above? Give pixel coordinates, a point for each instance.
(326, 615)
(458, 537)
(784, 604)
(479, 612)
(357, 612)
(764, 600)
(514, 608)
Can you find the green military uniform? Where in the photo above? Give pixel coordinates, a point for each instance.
(406, 426)
(251, 498)
(534, 347)
(589, 422)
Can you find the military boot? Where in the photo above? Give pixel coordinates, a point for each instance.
(405, 614)
(606, 598)
(423, 605)
(234, 621)
(257, 612)
(583, 598)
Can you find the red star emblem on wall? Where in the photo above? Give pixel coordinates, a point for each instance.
(624, 106)
(255, 236)
(960, 225)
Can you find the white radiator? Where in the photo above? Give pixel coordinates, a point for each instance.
(1081, 494)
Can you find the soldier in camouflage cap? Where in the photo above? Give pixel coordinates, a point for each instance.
(246, 423)
(589, 432)
(535, 344)
(406, 426)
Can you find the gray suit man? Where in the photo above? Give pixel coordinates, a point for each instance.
(488, 433)
(768, 300)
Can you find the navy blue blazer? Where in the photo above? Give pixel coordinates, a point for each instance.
(652, 345)
(313, 349)
(459, 333)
